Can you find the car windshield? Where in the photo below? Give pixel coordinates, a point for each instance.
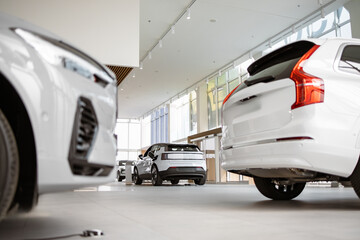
(182, 148)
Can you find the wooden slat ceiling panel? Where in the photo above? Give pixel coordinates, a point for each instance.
(120, 72)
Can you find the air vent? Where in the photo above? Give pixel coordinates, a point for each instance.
(86, 127)
(83, 136)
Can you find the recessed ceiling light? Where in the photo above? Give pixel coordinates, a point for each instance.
(213, 20)
(121, 89)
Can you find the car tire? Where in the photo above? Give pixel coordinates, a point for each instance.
(200, 181)
(155, 176)
(278, 192)
(9, 165)
(355, 179)
(118, 176)
(136, 178)
(175, 181)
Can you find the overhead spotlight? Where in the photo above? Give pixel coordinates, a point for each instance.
(133, 75)
(322, 13)
(141, 65)
(173, 29)
(219, 73)
(160, 43)
(150, 55)
(188, 14)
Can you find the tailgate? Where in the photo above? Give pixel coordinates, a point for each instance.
(260, 107)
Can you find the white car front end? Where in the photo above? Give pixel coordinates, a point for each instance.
(71, 103)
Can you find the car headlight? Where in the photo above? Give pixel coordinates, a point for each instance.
(57, 52)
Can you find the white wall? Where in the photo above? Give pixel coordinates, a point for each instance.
(106, 29)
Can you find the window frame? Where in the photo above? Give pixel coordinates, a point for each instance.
(338, 59)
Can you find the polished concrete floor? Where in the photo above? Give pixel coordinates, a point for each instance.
(212, 211)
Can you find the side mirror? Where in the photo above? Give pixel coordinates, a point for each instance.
(141, 156)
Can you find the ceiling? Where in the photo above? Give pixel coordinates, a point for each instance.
(218, 33)
(97, 27)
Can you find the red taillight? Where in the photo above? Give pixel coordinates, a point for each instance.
(228, 96)
(309, 89)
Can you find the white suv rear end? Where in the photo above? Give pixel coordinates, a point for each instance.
(172, 162)
(297, 118)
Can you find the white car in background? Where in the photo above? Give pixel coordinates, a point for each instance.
(57, 116)
(172, 162)
(297, 118)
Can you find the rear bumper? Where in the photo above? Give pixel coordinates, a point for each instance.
(304, 154)
(183, 173)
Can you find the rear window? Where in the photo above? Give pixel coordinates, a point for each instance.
(182, 148)
(277, 64)
(350, 59)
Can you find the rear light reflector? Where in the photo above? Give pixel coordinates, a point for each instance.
(309, 89)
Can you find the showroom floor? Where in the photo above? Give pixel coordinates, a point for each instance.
(212, 211)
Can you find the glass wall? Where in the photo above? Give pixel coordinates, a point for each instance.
(179, 118)
(128, 139)
(159, 126)
(334, 24)
(211, 103)
(222, 91)
(193, 112)
(218, 87)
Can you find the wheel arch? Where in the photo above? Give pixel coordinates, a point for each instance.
(15, 111)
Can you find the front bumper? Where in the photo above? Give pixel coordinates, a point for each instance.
(61, 165)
